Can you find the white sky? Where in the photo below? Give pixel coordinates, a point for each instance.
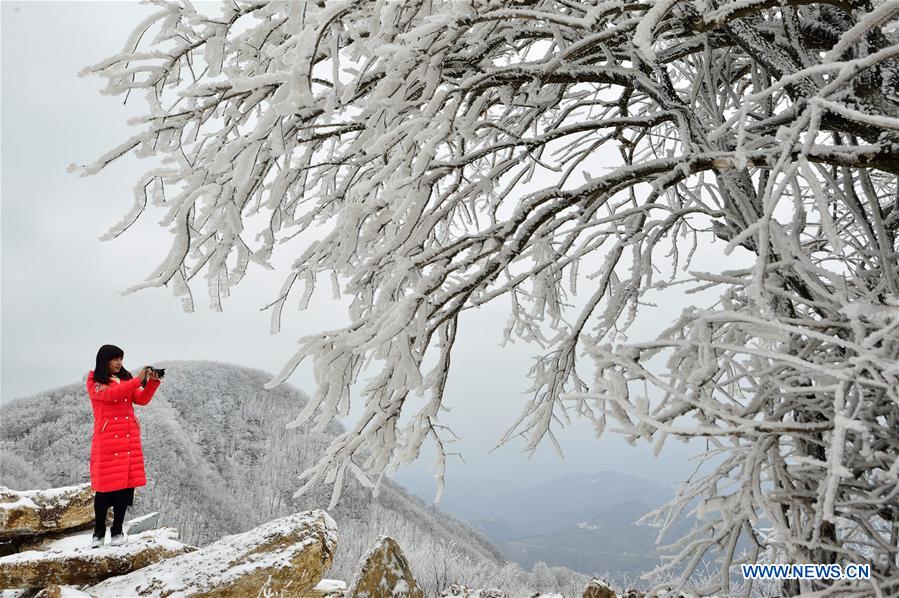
(60, 284)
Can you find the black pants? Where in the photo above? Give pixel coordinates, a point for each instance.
(119, 500)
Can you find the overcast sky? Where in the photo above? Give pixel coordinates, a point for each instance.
(61, 285)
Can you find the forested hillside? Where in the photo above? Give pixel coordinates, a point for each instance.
(220, 461)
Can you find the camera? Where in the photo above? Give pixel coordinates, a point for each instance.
(159, 371)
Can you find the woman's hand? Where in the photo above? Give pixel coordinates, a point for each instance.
(144, 373)
(154, 375)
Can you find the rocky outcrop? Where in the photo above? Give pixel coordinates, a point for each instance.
(326, 588)
(597, 588)
(142, 523)
(71, 560)
(284, 557)
(45, 539)
(45, 550)
(385, 573)
(35, 512)
(7, 547)
(57, 591)
(466, 592)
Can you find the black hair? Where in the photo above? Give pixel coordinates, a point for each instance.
(106, 354)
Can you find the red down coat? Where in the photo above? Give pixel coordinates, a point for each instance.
(117, 460)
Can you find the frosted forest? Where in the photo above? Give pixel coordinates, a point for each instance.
(423, 158)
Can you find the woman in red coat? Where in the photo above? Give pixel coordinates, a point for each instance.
(117, 460)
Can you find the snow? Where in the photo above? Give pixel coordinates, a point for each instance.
(877, 120)
(70, 592)
(643, 32)
(875, 18)
(200, 568)
(21, 502)
(142, 523)
(54, 498)
(80, 545)
(51, 497)
(874, 312)
(330, 585)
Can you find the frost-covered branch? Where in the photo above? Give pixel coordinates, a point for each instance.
(438, 155)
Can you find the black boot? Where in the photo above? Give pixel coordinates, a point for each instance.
(118, 518)
(99, 535)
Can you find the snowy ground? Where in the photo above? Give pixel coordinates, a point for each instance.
(80, 544)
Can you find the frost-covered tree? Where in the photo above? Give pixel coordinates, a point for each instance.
(438, 155)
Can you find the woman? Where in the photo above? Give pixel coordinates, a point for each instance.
(117, 460)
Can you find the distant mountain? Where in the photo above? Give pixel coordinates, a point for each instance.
(585, 522)
(219, 461)
(610, 541)
(563, 502)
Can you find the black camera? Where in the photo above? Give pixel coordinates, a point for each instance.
(159, 371)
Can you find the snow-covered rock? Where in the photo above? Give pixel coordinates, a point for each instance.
(57, 591)
(466, 592)
(71, 538)
(34, 512)
(72, 561)
(286, 556)
(385, 573)
(598, 588)
(142, 523)
(327, 588)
